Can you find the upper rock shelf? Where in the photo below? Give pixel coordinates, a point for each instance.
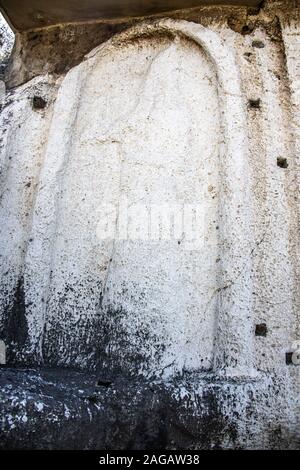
(31, 14)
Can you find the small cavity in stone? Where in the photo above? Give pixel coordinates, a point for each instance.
(282, 162)
(38, 102)
(247, 29)
(103, 383)
(254, 104)
(258, 44)
(261, 329)
(289, 358)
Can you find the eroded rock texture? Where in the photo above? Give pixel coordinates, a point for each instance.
(189, 342)
(64, 409)
(6, 44)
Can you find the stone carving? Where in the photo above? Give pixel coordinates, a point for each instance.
(169, 130)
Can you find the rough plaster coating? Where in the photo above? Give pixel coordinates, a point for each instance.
(167, 102)
(181, 324)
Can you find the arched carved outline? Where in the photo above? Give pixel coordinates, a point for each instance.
(233, 351)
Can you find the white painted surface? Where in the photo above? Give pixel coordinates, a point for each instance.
(141, 120)
(153, 139)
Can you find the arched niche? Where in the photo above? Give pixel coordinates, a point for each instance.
(175, 120)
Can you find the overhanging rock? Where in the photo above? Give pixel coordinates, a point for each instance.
(29, 14)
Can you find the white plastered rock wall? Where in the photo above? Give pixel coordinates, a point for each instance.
(148, 116)
(185, 89)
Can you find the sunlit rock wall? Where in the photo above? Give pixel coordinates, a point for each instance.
(6, 44)
(200, 110)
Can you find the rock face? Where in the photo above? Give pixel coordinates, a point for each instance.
(65, 409)
(149, 237)
(94, 302)
(30, 14)
(6, 44)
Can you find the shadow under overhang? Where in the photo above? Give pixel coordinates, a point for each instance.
(31, 14)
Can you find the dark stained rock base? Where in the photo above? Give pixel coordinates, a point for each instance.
(66, 409)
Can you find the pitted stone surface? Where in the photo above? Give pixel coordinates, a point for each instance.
(167, 110)
(86, 301)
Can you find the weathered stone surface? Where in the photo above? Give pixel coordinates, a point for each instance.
(166, 111)
(65, 409)
(6, 44)
(30, 14)
(97, 303)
